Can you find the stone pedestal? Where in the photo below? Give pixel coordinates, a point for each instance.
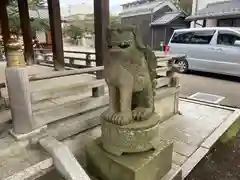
(131, 152)
(150, 165)
(132, 138)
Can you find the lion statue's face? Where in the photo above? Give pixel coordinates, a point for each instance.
(120, 39)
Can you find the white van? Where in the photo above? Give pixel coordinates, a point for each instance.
(215, 49)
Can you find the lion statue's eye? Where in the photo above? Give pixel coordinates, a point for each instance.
(119, 31)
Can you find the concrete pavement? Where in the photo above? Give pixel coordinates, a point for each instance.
(226, 86)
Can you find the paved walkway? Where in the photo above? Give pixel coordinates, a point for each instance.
(193, 133)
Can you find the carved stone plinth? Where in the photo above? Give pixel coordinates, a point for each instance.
(139, 136)
(150, 165)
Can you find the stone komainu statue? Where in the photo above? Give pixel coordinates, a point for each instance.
(130, 74)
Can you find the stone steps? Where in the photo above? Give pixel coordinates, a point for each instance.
(69, 109)
(51, 93)
(65, 91)
(28, 161)
(51, 108)
(75, 107)
(66, 117)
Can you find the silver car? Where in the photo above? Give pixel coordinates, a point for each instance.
(215, 49)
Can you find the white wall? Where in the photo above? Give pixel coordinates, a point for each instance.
(200, 4)
(41, 36)
(80, 8)
(211, 22)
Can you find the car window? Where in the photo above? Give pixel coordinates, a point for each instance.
(227, 38)
(182, 37)
(202, 37)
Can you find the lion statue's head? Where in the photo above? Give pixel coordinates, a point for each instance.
(121, 37)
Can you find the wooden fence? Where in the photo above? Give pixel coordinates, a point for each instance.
(73, 59)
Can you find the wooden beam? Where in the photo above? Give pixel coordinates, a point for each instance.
(56, 33)
(101, 17)
(26, 31)
(65, 73)
(4, 24)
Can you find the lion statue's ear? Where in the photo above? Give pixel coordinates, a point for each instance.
(138, 38)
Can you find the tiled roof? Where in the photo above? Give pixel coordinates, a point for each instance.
(141, 8)
(134, 3)
(166, 18)
(219, 9)
(146, 8)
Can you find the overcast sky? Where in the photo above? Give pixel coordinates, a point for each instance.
(112, 2)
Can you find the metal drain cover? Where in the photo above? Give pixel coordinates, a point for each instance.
(211, 98)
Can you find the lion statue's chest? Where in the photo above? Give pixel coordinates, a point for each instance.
(122, 71)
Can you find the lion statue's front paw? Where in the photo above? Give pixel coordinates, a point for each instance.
(108, 114)
(140, 113)
(122, 119)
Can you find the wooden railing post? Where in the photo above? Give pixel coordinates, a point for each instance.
(71, 62)
(88, 60)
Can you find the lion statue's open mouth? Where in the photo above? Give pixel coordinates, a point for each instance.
(120, 39)
(120, 45)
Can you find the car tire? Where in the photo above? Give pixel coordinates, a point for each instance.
(182, 65)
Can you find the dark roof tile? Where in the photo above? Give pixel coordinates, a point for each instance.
(166, 18)
(219, 9)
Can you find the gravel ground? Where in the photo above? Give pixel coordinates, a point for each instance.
(222, 163)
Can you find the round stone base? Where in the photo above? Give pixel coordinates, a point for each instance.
(139, 136)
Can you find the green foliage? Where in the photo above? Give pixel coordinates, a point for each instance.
(32, 4)
(88, 24)
(36, 4)
(74, 32)
(37, 24)
(77, 27)
(14, 25)
(115, 20)
(40, 25)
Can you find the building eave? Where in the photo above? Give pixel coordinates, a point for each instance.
(134, 14)
(213, 16)
(222, 9)
(177, 15)
(150, 10)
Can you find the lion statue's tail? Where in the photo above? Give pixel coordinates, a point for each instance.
(152, 64)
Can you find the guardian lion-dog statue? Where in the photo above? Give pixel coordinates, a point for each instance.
(130, 75)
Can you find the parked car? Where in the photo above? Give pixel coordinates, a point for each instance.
(215, 49)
